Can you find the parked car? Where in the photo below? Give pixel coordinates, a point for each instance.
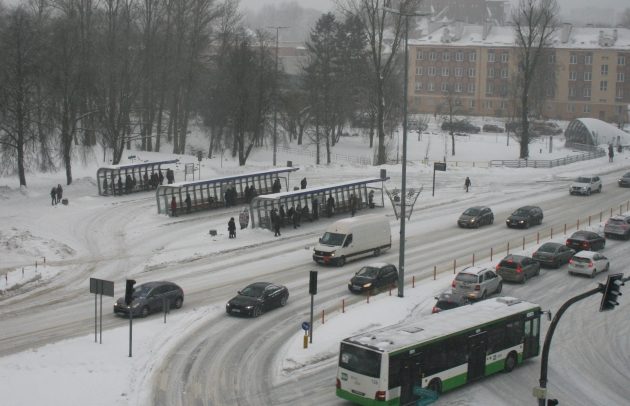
(449, 300)
(517, 268)
(586, 240)
(624, 181)
(585, 185)
(618, 226)
(373, 277)
(545, 128)
(257, 298)
(525, 217)
(553, 254)
(476, 216)
(588, 263)
(492, 128)
(150, 297)
(460, 126)
(477, 283)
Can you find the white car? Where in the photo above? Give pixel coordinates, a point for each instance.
(588, 263)
(585, 185)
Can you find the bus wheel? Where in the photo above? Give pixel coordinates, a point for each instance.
(436, 386)
(510, 362)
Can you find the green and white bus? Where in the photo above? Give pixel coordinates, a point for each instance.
(439, 352)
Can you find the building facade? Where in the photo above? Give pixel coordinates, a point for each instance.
(586, 72)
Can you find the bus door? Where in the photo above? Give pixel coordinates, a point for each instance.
(476, 356)
(409, 377)
(531, 334)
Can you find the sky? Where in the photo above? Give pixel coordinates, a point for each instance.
(80, 372)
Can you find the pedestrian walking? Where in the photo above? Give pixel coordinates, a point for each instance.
(188, 203)
(275, 221)
(232, 228)
(467, 183)
(173, 207)
(611, 153)
(243, 218)
(53, 195)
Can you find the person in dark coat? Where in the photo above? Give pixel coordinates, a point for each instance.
(276, 186)
(353, 204)
(104, 185)
(371, 199)
(297, 214)
(173, 207)
(53, 196)
(252, 192)
(59, 192)
(188, 203)
(145, 180)
(232, 228)
(282, 216)
(170, 176)
(303, 183)
(306, 215)
(120, 185)
(315, 204)
(161, 177)
(611, 153)
(128, 183)
(275, 223)
(467, 183)
(330, 206)
(248, 196)
(290, 213)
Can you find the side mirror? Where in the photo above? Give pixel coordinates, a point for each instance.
(436, 298)
(238, 291)
(320, 240)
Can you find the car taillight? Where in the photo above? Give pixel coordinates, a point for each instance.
(519, 269)
(453, 284)
(380, 395)
(497, 267)
(571, 261)
(435, 310)
(590, 264)
(535, 253)
(567, 242)
(338, 384)
(585, 244)
(477, 287)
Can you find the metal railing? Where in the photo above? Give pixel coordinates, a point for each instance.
(547, 163)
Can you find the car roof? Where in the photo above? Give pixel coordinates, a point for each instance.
(583, 233)
(153, 284)
(585, 254)
(552, 244)
(473, 270)
(528, 208)
(626, 175)
(621, 217)
(260, 284)
(377, 265)
(514, 258)
(478, 207)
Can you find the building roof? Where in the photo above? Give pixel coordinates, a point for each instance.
(599, 132)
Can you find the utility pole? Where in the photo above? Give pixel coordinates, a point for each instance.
(275, 99)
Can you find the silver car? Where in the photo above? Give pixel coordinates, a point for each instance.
(618, 226)
(477, 283)
(588, 263)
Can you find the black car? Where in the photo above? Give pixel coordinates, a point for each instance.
(525, 216)
(586, 240)
(150, 297)
(476, 216)
(449, 300)
(553, 254)
(373, 277)
(517, 268)
(460, 126)
(492, 128)
(257, 298)
(624, 181)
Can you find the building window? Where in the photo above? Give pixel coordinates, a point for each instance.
(621, 60)
(419, 71)
(431, 71)
(472, 57)
(620, 109)
(571, 91)
(620, 92)
(587, 108)
(504, 58)
(571, 108)
(549, 92)
(588, 59)
(419, 54)
(587, 92)
(446, 56)
(603, 85)
(620, 77)
(604, 70)
(490, 73)
(459, 72)
(458, 88)
(459, 56)
(490, 56)
(504, 91)
(444, 87)
(551, 59)
(471, 104)
(504, 73)
(445, 72)
(418, 86)
(573, 59)
(431, 87)
(489, 88)
(503, 105)
(471, 72)
(432, 56)
(587, 76)
(471, 88)
(573, 75)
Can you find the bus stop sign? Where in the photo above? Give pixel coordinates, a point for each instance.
(305, 325)
(439, 166)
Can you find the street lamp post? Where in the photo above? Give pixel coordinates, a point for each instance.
(275, 99)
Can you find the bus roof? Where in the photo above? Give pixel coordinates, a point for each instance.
(401, 336)
(272, 171)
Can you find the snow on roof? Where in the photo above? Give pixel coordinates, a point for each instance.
(242, 175)
(138, 164)
(400, 336)
(604, 133)
(298, 192)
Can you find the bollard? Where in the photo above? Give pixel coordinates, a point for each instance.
(434, 271)
(537, 237)
(490, 253)
(508, 248)
(413, 281)
(551, 233)
(343, 305)
(589, 219)
(600, 216)
(36, 261)
(565, 228)
(305, 341)
(22, 272)
(577, 224)
(454, 265)
(323, 316)
(473, 261)
(523, 242)
(368, 296)
(611, 212)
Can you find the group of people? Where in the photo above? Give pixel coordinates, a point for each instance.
(250, 193)
(146, 181)
(56, 194)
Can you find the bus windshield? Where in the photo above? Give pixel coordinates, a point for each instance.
(360, 360)
(334, 239)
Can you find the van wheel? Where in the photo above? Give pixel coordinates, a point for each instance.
(607, 267)
(377, 252)
(341, 261)
(510, 362)
(179, 302)
(435, 385)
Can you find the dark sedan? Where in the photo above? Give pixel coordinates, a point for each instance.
(449, 300)
(553, 254)
(624, 181)
(476, 216)
(150, 297)
(525, 216)
(586, 240)
(373, 277)
(257, 298)
(517, 268)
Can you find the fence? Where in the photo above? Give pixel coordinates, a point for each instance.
(550, 163)
(334, 157)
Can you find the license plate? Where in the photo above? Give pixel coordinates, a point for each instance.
(236, 310)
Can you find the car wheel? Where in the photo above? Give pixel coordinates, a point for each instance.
(510, 362)
(341, 261)
(179, 302)
(607, 267)
(538, 271)
(377, 252)
(600, 189)
(144, 312)
(593, 273)
(588, 192)
(500, 287)
(283, 301)
(435, 385)
(491, 220)
(257, 311)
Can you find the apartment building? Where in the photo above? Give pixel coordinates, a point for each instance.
(587, 71)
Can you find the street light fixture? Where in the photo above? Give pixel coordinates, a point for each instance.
(275, 98)
(403, 188)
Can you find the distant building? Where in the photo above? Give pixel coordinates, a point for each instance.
(589, 68)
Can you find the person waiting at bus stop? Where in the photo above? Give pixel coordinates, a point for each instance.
(330, 206)
(173, 207)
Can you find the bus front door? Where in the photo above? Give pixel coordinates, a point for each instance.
(476, 356)
(409, 377)
(531, 344)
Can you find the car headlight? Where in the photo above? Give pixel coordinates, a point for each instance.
(472, 220)
(367, 285)
(521, 221)
(228, 304)
(250, 307)
(332, 254)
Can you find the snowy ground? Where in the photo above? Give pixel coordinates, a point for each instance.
(78, 371)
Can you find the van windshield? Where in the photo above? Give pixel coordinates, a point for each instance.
(335, 239)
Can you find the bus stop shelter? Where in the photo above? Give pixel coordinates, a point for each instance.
(129, 178)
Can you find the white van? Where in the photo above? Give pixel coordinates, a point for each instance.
(353, 238)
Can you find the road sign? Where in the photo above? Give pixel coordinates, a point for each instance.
(439, 166)
(305, 325)
(102, 286)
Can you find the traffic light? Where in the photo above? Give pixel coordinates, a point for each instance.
(312, 283)
(611, 292)
(552, 402)
(129, 291)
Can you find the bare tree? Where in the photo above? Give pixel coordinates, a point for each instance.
(534, 25)
(450, 107)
